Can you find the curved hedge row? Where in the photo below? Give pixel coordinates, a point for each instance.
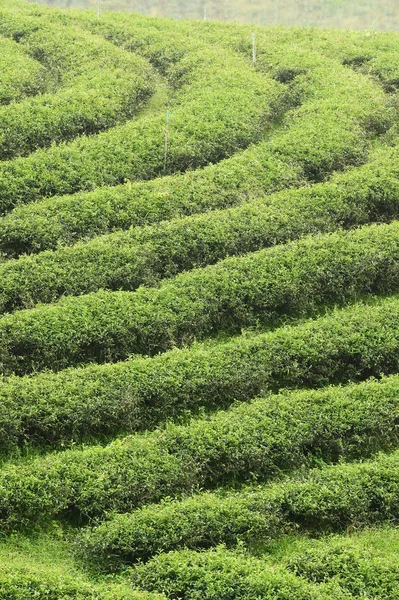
(221, 575)
(323, 135)
(295, 280)
(20, 75)
(224, 108)
(126, 260)
(333, 120)
(42, 225)
(273, 165)
(66, 219)
(101, 85)
(300, 55)
(341, 96)
(369, 55)
(351, 344)
(256, 440)
(329, 499)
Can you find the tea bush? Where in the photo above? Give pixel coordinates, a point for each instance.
(143, 256)
(329, 499)
(96, 85)
(222, 574)
(259, 440)
(42, 582)
(20, 75)
(351, 344)
(364, 564)
(292, 280)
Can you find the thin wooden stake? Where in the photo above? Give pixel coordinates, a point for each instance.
(253, 49)
(204, 13)
(166, 140)
(98, 8)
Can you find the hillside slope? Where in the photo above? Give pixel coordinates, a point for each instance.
(199, 309)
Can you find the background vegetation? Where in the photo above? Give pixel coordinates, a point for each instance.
(344, 14)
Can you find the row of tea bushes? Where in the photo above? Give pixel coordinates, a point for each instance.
(143, 256)
(221, 574)
(328, 499)
(95, 401)
(366, 563)
(333, 120)
(290, 281)
(321, 136)
(271, 166)
(337, 106)
(251, 441)
(221, 108)
(99, 85)
(66, 219)
(20, 75)
(366, 53)
(319, 67)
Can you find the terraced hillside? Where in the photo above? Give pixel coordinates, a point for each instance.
(199, 310)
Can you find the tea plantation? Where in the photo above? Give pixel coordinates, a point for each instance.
(199, 309)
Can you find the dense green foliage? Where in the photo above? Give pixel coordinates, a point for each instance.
(239, 105)
(199, 309)
(360, 565)
(257, 440)
(99, 86)
(365, 565)
(41, 567)
(20, 583)
(126, 260)
(332, 498)
(320, 136)
(225, 575)
(295, 279)
(20, 75)
(351, 344)
(66, 219)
